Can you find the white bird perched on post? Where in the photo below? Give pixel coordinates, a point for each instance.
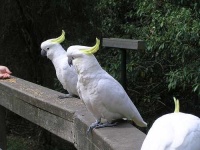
(174, 131)
(103, 96)
(65, 74)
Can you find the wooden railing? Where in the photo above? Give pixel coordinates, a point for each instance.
(66, 118)
(123, 45)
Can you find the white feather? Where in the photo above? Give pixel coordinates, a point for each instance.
(102, 94)
(174, 131)
(65, 74)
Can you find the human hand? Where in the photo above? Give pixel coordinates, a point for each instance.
(4, 72)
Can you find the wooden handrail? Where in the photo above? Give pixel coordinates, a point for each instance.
(123, 44)
(66, 118)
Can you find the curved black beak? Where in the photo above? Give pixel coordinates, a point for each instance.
(43, 53)
(70, 62)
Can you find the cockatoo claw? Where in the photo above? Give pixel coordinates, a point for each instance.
(93, 126)
(89, 130)
(107, 124)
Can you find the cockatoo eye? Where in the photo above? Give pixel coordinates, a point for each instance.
(47, 48)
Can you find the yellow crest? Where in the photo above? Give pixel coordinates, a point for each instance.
(176, 102)
(60, 39)
(93, 49)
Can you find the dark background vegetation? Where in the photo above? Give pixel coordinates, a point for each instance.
(169, 66)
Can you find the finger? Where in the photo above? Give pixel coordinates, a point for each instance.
(8, 71)
(6, 75)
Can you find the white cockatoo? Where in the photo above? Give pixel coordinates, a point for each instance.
(103, 96)
(174, 131)
(65, 74)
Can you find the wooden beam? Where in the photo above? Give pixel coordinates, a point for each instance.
(123, 43)
(66, 118)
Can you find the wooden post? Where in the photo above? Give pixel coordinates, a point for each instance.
(3, 141)
(123, 68)
(123, 44)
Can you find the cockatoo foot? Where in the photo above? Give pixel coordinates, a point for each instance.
(97, 125)
(107, 124)
(65, 96)
(93, 125)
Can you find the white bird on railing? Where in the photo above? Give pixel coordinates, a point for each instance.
(65, 74)
(103, 96)
(174, 131)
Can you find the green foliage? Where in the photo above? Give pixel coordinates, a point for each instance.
(17, 143)
(169, 66)
(110, 59)
(174, 37)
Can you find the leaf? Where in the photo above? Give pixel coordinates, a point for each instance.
(195, 88)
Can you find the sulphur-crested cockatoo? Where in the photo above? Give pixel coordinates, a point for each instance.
(174, 131)
(103, 96)
(65, 74)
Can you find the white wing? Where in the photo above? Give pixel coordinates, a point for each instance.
(112, 101)
(66, 74)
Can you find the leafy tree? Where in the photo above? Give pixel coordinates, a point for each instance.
(170, 64)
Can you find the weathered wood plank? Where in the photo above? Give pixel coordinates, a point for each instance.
(51, 122)
(123, 43)
(124, 136)
(41, 97)
(41, 106)
(66, 118)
